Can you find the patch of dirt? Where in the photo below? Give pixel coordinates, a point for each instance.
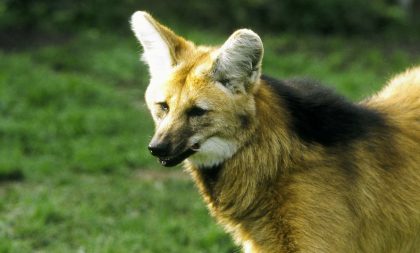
(11, 176)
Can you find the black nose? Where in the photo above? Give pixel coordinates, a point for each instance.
(160, 148)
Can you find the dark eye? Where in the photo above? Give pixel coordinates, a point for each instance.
(196, 112)
(164, 106)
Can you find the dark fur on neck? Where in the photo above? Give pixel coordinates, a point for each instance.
(319, 115)
(209, 176)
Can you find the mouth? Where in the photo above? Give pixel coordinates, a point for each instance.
(170, 161)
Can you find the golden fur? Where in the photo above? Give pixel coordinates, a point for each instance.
(277, 193)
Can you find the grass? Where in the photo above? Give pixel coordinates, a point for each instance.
(75, 175)
(58, 111)
(104, 213)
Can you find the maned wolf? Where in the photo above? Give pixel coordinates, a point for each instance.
(285, 166)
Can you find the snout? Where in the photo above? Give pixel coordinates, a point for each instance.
(169, 154)
(159, 149)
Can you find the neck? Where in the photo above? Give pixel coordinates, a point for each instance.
(235, 186)
(296, 128)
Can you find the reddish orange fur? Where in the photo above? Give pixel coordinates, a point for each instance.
(279, 194)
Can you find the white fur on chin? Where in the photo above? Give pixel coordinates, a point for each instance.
(213, 152)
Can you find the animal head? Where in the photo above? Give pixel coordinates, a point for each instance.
(201, 98)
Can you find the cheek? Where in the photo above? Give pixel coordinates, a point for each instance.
(159, 115)
(201, 124)
(215, 124)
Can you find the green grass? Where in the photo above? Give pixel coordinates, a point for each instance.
(75, 174)
(103, 213)
(67, 107)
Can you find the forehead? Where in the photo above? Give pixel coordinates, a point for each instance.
(191, 82)
(195, 65)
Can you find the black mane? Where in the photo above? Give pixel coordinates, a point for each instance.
(320, 115)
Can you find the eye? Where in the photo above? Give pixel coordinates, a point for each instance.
(196, 111)
(163, 106)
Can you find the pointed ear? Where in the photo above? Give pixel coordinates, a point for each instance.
(163, 49)
(238, 63)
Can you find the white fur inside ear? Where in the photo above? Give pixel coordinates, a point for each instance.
(213, 152)
(240, 56)
(156, 51)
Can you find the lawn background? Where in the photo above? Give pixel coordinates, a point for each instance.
(75, 174)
